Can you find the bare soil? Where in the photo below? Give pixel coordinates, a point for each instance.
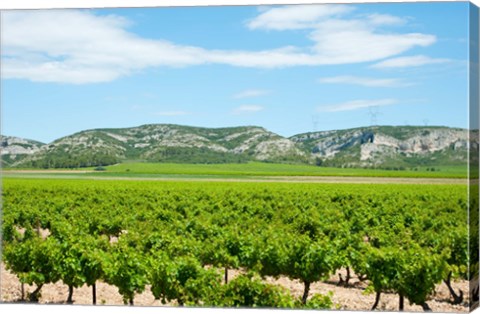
(352, 297)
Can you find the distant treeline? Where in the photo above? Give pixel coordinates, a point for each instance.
(66, 161)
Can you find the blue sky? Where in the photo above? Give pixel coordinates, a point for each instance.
(290, 69)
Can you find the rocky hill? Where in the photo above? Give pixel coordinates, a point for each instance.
(15, 149)
(387, 146)
(382, 146)
(164, 143)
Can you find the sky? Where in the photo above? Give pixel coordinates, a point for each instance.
(290, 69)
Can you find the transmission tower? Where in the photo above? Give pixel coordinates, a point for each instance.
(373, 112)
(315, 122)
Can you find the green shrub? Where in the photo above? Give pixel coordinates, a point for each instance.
(249, 291)
(320, 301)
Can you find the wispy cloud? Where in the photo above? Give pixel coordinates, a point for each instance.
(79, 47)
(411, 61)
(296, 16)
(171, 113)
(251, 93)
(353, 41)
(247, 109)
(386, 19)
(340, 38)
(363, 81)
(137, 107)
(357, 104)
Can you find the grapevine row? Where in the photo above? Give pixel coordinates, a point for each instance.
(183, 238)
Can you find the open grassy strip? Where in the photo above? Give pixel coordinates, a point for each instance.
(252, 169)
(239, 178)
(271, 169)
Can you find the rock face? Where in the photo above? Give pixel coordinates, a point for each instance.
(14, 149)
(380, 145)
(11, 145)
(428, 141)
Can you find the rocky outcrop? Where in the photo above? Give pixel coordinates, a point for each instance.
(10, 145)
(376, 144)
(422, 144)
(277, 148)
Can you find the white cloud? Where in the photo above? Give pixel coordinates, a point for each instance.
(171, 113)
(78, 47)
(385, 19)
(337, 39)
(351, 41)
(362, 81)
(292, 17)
(357, 104)
(296, 16)
(247, 109)
(251, 93)
(412, 61)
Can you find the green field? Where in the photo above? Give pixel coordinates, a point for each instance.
(252, 170)
(271, 169)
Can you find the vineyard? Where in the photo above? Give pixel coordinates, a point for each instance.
(184, 240)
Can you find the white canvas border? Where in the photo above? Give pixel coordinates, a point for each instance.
(54, 4)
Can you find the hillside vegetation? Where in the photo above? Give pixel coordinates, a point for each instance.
(383, 147)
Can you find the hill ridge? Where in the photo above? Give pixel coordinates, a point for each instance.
(368, 146)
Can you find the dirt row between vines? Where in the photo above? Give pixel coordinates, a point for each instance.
(345, 298)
